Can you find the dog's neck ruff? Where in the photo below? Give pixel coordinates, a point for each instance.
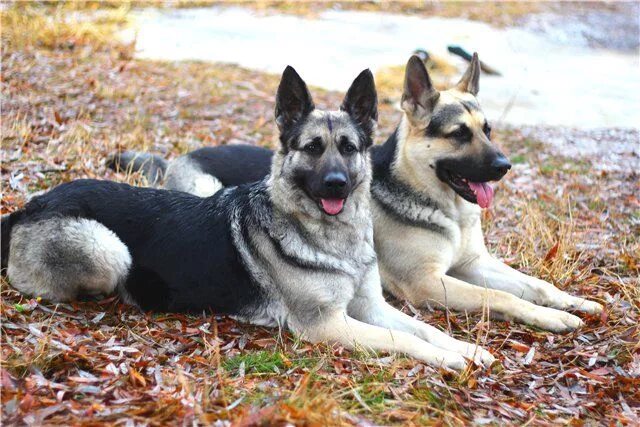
(337, 247)
(309, 250)
(408, 206)
(398, 199)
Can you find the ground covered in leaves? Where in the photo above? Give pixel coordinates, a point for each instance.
(71, 96)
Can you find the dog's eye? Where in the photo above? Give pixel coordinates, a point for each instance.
(462, 134)
(314, 147)
(347, 147)
(487, 130)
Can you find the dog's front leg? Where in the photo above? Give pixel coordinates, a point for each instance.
(368, 305)
(453, 293)
(339, 327)
(492, 273)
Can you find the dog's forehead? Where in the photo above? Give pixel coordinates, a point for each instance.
(327, 123)
(455, 106)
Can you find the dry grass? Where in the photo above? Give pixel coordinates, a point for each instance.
(100, 363)
(497, 13)
(25, 26)
(389, 79)
(547, 239)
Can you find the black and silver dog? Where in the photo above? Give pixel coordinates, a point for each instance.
(294, 249)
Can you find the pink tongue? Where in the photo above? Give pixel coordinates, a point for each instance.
(332, 206)
(484, 193)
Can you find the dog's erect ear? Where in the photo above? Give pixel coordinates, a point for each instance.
(293, 101)
(361, 102)
(419, 97)
(470, 81)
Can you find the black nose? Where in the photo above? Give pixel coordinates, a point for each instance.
(335, 181)
(501, 165)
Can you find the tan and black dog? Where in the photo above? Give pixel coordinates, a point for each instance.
(430, 180)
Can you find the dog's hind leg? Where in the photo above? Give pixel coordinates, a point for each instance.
(60, 259)
(490, 272)
(339, 327)
(449, 292)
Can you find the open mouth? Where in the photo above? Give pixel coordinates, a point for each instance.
(474, 192)
(332, 206)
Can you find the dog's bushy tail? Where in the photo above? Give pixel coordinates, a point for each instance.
(6, 224)
(152, 166)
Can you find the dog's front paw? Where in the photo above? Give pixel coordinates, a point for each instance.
(550, 296)
(584, 305)
(483, 357)
(479, 355)
(555, 320)
(454, 361)
(441, 358)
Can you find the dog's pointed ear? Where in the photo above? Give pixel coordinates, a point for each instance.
(293, 100)
(361, 102)
(470, 81)
(419, 97)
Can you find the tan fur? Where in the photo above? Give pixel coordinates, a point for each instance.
(451, 267)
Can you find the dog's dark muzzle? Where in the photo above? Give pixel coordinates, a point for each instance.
(330, 190)
(469, 176)
(491, 167)
(335, 185)
(500, 166)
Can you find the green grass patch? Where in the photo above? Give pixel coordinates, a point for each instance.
(517, 159)
(597, 205)
(565, 165)
(548, 168)
(260, 362)
(265, 362)
(373, 389)
(429, 396)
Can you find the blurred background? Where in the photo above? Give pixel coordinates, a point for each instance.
(568, 65)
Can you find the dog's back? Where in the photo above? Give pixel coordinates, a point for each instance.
(234, 164)
(162, 250)
(202, 172)
(152, 166)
